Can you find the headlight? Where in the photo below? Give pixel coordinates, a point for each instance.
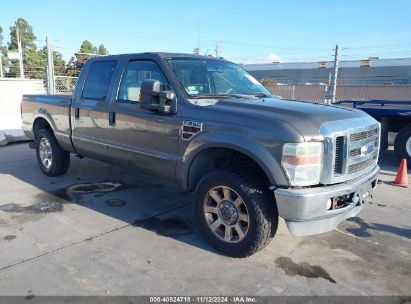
(303, 162)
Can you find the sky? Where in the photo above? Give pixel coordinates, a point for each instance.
(249, 31)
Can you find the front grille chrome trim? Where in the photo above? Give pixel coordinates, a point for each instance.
(358, 134)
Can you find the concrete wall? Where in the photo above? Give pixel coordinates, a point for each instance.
(11, 91)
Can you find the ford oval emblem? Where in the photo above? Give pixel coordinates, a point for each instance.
(365, 150)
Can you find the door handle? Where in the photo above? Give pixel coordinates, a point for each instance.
(112, 118)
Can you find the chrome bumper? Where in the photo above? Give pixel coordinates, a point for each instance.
(305, 210)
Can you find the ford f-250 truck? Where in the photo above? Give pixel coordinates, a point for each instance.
(210, 126)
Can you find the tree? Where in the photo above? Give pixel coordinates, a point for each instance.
(102, 50)
(87, 50)
(27, 36)
(59, 63)
(2, 50)
(87, 47)
(33, 62)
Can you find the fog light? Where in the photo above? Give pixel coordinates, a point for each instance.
(329, 204)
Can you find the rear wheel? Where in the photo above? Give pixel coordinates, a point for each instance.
(52, 160)
(236, 216)
(402, 143)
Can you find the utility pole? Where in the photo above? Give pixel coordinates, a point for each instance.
(20, 51)
(335, 75)
(217, 49)
(50, 67)
(328, 90)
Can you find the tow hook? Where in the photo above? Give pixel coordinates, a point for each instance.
(365, 197)
(356, 198)
(361, 198)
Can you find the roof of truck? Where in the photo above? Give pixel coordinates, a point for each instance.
(160, 54)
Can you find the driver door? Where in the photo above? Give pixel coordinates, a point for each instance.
(141, 138)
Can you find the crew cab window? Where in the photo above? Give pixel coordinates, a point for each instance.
(98, 80)
(133, 76)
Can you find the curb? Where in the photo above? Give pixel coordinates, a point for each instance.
(14, 135)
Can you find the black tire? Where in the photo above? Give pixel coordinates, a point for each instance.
(260, 206)
(60, 159)
(402, 144)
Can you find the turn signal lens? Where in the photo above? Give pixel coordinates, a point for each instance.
(303, 162)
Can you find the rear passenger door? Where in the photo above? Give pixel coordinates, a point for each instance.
(91, 107)
(143, 139)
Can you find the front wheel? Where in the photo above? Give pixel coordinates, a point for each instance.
(52, 160)
(236, 215)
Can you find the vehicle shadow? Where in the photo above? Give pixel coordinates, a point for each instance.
(135, 198)
(388, 161)
(363, 229)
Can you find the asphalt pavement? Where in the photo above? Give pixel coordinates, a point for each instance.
(104, 230)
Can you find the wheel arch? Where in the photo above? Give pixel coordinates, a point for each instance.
(201, 158)
(41, 121)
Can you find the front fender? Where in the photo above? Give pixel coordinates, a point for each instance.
(253, 149)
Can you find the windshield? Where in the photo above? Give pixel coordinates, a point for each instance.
(203, 78)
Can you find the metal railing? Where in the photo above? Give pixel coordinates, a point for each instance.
(317, 93)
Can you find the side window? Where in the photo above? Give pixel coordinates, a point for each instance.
(133, 76)
(98, 80)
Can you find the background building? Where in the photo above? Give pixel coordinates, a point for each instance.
(351, 72)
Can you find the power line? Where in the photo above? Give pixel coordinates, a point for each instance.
(398, 45)
(274, 47)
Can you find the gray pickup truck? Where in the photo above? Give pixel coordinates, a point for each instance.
(208, 125)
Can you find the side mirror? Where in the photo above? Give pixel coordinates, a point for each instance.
(153, 99)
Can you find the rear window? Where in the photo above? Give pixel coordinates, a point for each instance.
(98, 80)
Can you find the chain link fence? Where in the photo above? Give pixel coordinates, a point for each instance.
(64, 85)
(317, 93)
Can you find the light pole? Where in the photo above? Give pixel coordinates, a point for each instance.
(20, 50)
(335, 76)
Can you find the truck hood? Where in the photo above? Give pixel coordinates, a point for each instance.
(306, 117)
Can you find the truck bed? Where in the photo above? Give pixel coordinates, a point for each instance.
(54, 109)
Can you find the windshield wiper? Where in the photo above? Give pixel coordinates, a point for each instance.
(212, 96)
(260, 95)
(224, 96)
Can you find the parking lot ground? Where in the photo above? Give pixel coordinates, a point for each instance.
(104, 230)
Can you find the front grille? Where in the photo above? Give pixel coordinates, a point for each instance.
(348, 149)
(361, 165)
(339, 155)
(355, 152)
(363, 135)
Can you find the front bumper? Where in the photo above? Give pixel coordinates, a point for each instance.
(305, 210)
